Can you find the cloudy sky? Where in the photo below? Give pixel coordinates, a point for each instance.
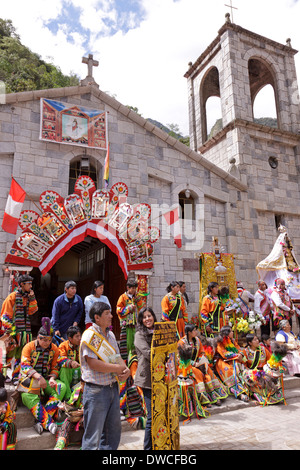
(143, 46)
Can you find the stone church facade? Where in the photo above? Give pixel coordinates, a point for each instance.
(227, 181)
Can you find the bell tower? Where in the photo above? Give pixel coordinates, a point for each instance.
(235, 67)
(264, 154)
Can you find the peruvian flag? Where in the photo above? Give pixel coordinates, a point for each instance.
(13, 207)
(172, 219)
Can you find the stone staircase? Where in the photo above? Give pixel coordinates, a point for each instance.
(28, 439)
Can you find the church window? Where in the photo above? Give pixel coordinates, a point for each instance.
(263, 94)
(187, 205)
(279, 220)
(80, 167)
(210, 98)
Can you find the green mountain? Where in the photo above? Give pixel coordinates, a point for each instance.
(23, 70)
(266, 121)
(165, 128)
(184, 139)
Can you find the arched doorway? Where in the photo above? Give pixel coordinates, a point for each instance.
(64, 241)
(84, 263)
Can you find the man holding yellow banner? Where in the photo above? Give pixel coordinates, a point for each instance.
(102, 367)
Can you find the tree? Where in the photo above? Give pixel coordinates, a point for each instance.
(7, 29)
(23, 70)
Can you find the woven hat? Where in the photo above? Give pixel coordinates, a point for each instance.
(24, 278)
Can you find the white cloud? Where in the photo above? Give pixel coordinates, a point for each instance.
(92, 18)
(145, 67)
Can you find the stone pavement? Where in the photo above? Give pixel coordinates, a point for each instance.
(247, 428)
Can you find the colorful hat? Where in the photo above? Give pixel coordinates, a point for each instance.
(273, 368)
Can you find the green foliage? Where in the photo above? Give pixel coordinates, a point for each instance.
(7, 29)
(23, 70)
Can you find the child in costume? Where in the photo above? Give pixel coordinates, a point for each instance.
(188, 400)
(128, 306)
(8, 430)
(265, 384)
(39, 374)
(212, 314)
(229, 359)
(74, 420)
(173, 308)
(70, 372)
(209, 388)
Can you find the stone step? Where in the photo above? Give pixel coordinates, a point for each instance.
(28, 439)
(291, 382)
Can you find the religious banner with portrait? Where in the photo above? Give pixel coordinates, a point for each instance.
(66, 123)
(165, 417)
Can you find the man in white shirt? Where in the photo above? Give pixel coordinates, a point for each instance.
(283, 308)
(262, 307)
(101, 368)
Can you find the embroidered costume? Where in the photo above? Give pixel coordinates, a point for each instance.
(8, 430)
(209, 388)
(131, 397)
(262, 308)
(127, 310)
(15, 315)
(69, 376)
(254, 376)
(71, 430)
(243, 300)
(282, 303)
(228, 368)
(45, 362)
(188, 400)
(173, 309)
(212, 314)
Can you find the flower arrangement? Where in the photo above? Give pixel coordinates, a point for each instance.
(248, 325)
(241, 326)
(254, 321)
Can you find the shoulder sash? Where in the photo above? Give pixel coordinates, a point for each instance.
(99, 345)
(173, 314)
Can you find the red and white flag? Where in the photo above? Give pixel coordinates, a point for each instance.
(13, 207)
(172, 219)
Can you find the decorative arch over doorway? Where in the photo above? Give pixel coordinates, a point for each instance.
(103, 214)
